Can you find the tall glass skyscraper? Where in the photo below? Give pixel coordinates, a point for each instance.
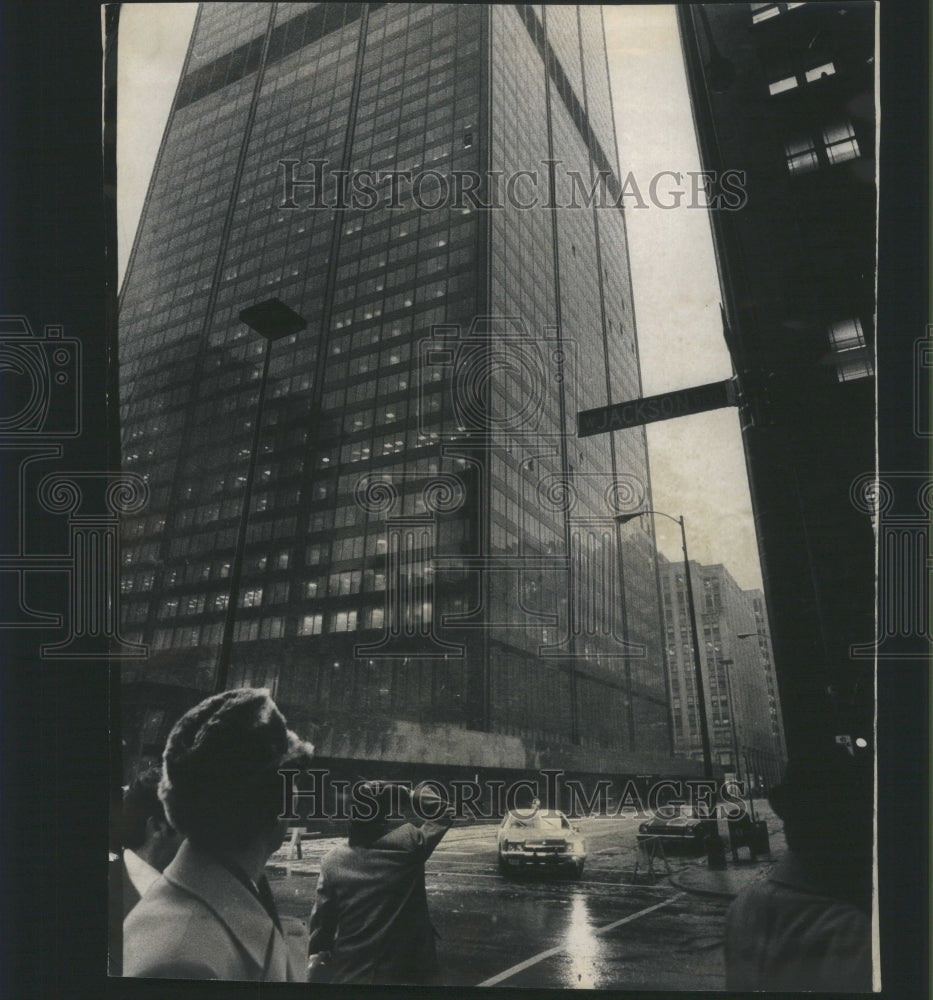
(430, 550)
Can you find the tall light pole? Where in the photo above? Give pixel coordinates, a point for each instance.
(697, 663)
(272, 320)
(715, 851)
(726, 664)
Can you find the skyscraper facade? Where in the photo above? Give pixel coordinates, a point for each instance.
(428, 549)
(785, 92)
(743, 704)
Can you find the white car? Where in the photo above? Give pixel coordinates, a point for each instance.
(542, 838)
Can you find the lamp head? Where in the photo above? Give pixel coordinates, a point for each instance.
(272, 319)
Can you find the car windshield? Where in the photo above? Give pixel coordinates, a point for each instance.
(553, 823)
(540, 821)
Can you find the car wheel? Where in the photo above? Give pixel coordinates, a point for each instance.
(503, 866)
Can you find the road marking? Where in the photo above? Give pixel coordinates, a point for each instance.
(541, 956)
(437, 872)
(464, 874)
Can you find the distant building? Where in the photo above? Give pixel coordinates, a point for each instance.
(742, 700)
(785, 93)
(432, 571)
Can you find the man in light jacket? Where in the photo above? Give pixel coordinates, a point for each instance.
(148, 843)
(370, 920)
(211, 914)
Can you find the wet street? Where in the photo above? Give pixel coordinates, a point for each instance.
(542, 930)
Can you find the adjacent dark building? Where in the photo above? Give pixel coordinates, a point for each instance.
(432, 570)
(786, 93)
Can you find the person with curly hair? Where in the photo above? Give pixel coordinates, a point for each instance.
(211, 914)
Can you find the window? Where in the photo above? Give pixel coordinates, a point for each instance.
(841, 144)
(818, 72)
(169, 608)
(246, 631)
(345, 583)
(272, 628)
(251, 598)
(846, 335)
(314, 554)
(848, 343)
(193, 605)
(801, 155)
(374, 617)
(344, 621)
(779, 86)
(762, 11)
(850, 370)
(311, 625)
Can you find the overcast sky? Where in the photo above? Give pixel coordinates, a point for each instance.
(697, 466)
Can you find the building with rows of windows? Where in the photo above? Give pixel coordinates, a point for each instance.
(785, 92)
(742, 701)
(431, 566)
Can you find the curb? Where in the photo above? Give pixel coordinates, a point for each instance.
(722, 893)
(697, 891)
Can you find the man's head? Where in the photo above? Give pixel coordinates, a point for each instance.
(826, 803)
(145, 828)
(221, 785)
(369, 813)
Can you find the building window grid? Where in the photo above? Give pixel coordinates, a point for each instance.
(240, 637)
(838, 144)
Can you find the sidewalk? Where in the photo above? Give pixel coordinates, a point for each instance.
(697, 878)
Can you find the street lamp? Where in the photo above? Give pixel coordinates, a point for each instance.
(697, 664)
(726, 664)
(717, 857)
(735, 737)
(272, 320)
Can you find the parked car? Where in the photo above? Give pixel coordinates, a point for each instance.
(541, 839)
(682, 832)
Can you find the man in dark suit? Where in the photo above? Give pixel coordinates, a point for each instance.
(370, 920)
(211, 914)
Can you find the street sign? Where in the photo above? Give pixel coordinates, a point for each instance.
(634, 413)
